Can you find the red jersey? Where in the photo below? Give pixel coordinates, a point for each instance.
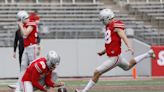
(112, 39)
(36, 71)
(32, 37)
(34, 17)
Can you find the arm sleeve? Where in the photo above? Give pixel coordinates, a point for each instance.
(16, 40)
(35, 80)
(49, 80)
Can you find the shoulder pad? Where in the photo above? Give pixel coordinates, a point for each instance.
(119, 24)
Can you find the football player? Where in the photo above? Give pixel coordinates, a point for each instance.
(33, 16)
(113, 35)
(38, 74)
(28, 30)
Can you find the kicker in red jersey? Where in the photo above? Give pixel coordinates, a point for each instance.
(112, 39)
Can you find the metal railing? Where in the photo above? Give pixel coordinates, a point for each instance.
(42, 1)
(151, 38)
(141, 1)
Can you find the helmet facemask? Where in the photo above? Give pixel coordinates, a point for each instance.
(53, 63)
(24, 19)
(105, 20)
(53, 66)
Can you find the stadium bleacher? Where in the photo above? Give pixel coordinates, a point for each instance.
(152, 13)
(76, 19)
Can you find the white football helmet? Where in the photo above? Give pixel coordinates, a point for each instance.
(52, 59)
(22, 15)
(106, 15)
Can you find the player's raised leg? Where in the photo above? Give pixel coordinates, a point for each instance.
(126, 66)
(137, 59)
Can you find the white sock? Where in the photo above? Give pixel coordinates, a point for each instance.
(19, 83)
(88, 86)
(18, 89)
(141, 57)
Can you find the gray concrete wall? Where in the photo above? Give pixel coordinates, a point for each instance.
(78, 58)
(144, 67)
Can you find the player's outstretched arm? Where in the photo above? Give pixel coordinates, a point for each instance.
(123, 36)
(35, 80)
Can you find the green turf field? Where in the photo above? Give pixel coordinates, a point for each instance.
(150, 85)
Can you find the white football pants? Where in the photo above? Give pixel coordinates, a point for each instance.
(28, 87)
(113, 62)
(29, 54)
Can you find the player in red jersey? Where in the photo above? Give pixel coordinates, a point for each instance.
(113, 35)
(33, 16)
(28, 30)
(38, 74)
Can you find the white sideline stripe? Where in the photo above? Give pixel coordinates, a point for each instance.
(7, 82)
(1, 84)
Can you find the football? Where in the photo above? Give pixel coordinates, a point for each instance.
(62, 89)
